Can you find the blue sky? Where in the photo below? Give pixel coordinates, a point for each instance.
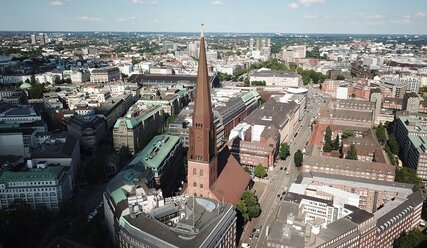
(286, 16)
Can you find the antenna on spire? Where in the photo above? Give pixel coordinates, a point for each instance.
(202, 33)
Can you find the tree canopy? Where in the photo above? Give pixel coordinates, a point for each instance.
(311, 76)
(411, 239)
(284, 151)
(381, 133)
(393, 144)
(260, 171)
(298, 158)
(408, 175)
(340, 77)
(352, 153)
(248, 207)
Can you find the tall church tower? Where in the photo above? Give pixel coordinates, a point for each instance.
(202, 153)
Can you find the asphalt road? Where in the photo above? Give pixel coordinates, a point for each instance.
(279, 180)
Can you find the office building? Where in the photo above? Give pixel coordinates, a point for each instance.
(411, 102)
(275, 78)
(20, 114)
(90, 130)
(163, 156)
(411, 133)
(137, 127)
(105, 75)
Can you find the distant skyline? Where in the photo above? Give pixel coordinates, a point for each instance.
(255, 16)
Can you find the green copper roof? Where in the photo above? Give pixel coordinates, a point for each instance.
(134, 121)
(155, 152)
(49, 173)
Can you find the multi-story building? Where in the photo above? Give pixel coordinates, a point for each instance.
(252, 152)
(283, 116)
(411, 133)
(159, 80)
(138, 216)
(90, 130)
(137, 127)
(105, 75)
(411, 102)
(41, 185)
(172, 100)
(350, 112)
(314, 162)
(20, 114)
(114, 108)
(17, 141)
(275, 78)
(163, 156)
(59, 149)
(293, 52)
(229, 109)
(396, 207)
(290, 226)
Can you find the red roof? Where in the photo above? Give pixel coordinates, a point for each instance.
(232, 181)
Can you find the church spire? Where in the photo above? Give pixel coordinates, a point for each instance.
(202, 133)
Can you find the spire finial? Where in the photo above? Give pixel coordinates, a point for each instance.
(202, 33)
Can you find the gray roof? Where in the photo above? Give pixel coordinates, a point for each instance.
(56, 149)
(205, 221)
(24, 110)
(336, 229)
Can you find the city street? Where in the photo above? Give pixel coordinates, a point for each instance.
(279, 180)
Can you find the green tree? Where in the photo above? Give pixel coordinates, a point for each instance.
(390, 155)
(336, 143)
(246, 168)
(393, 144)
(352, 153)
(293, 66)
(248, 207)
(340, 77)
(381, 133)
(298, 158)
(413, 238)
(242, 210)
(284, 151)
(328, 146)
(408, 175)
(260, 171)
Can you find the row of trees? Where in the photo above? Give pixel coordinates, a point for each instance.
(273, 64)
(391, 146)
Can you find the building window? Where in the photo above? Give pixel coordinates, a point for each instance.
(201, 185)
(201, 172)
(194, 171)
(195, 184)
